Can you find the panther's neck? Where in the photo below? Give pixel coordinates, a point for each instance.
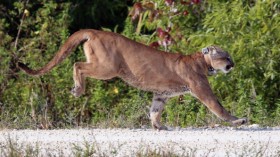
(211, 70)
(202, 61)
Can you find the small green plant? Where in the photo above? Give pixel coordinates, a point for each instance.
(12, 149)
(88, 150)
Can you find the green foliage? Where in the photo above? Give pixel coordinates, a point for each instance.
(32, 32)
(248, 32)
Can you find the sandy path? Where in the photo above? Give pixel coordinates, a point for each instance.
(250, 141)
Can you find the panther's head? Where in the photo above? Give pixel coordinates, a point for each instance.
(217, 59)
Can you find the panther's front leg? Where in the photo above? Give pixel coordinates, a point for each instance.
(156, 110)
(204, 93)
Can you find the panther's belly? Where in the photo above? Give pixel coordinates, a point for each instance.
(157, 83)
(165, 88)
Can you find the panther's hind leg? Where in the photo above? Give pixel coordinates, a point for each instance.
(94, 70)
(79, 79)
(156, 110)
(95, 67)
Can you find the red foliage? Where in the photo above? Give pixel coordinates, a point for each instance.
(169, 2)
(196, 1)
(154, 44)
(136, 10)
(185, 13)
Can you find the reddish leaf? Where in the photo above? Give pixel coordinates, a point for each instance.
(154, 44)
(160, 33)
(169, 2)
(196, 1)
(184, 2)
(135, 11)
(149, 5)
(185, 13)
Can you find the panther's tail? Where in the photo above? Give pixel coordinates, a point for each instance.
(72, 42)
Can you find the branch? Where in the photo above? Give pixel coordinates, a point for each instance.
(20, 25)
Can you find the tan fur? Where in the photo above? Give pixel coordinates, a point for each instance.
(111, 55)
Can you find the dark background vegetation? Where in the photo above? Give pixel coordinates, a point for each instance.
(32, 31)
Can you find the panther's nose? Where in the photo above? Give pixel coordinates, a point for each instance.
(229, 67)
(230, 62)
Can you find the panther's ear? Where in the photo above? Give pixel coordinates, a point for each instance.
(205, 50)
(213, 50)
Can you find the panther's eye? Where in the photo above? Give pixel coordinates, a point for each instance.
(228, 59)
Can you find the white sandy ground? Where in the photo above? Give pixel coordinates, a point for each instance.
(221, 141)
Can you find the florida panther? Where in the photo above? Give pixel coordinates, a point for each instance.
(110, 55)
